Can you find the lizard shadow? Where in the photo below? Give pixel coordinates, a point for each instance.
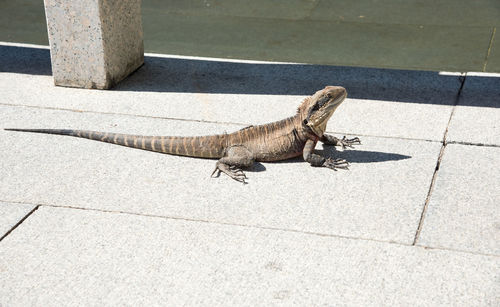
(353, 155)
(167, 74)
(256, 167)
(361, 156)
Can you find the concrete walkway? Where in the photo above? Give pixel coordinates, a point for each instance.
(414, 221)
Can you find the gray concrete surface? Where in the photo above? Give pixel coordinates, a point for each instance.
(94, 44)
(341, 203)
(164, 87)
(464, 211)
(122, 226)
(78, 257)
(477, 116)
(11, 214)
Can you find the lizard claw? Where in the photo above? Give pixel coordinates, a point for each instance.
(232, 171)
(336, 163)
(215, 170)
(345, 142)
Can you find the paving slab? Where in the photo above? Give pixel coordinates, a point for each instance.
(392, 119)
(24, 59)
(464, 210)
(477, 116)
(11, 214)
(381, 102)
(381, 197)
(69, 257)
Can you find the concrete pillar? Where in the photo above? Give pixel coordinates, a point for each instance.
(94, 43)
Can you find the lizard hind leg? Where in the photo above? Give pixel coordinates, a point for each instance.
(237, 157)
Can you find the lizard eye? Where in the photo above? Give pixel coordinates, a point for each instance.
(305, 122)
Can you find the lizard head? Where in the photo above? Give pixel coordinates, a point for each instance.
(317, 109)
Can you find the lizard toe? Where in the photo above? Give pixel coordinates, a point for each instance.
(232, 171)
(345, 142)
(336, 164)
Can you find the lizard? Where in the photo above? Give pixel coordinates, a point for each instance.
(288, 138)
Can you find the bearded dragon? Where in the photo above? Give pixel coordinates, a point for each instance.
(284, 139)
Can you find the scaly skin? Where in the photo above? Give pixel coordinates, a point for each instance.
(284, 139)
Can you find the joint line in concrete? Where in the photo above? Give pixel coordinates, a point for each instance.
(166, 217)
(462, 79)
(19, 223)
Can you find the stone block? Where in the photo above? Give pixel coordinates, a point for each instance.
(477, 115)
(381, 197)
(69, 257)
(94, 44)
(393, 103)
(463, 212)
(11, 214)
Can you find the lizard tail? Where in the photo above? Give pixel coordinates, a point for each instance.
(198, 146)
(47, 131)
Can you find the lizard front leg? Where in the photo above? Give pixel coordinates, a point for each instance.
(317, 160)
(237, 157)
(344, 142)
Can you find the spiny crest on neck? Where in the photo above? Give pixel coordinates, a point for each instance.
(304, 106)
(330, 95)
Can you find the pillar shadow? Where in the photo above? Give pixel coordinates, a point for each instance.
(168, 74)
